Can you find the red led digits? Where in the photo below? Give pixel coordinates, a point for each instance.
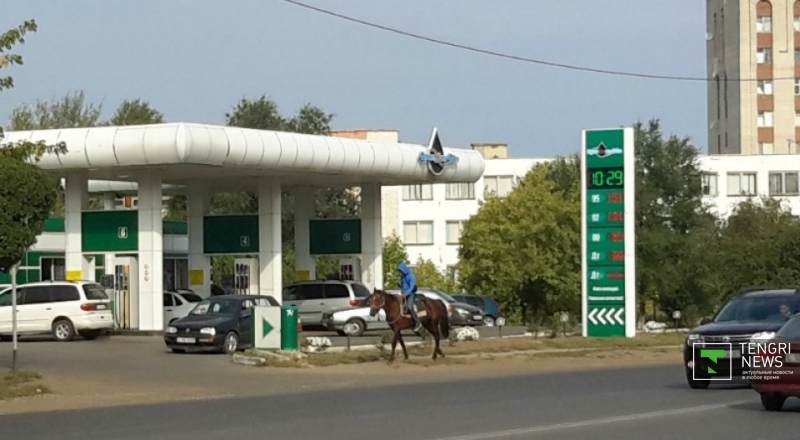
(617, 256)
(615, 198)
(616, 217)
(615, 275)
(616, 237)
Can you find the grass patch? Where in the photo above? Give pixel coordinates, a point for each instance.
(570, 346)
(21, 384)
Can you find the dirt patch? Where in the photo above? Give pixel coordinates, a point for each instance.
(21, 384)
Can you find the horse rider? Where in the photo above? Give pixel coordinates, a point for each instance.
(408, 286)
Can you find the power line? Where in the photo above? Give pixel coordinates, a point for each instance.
(521, 58)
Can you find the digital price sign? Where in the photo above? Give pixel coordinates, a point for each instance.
(608, 234)
(606, 178)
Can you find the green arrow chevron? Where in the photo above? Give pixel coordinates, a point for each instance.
(266, 327)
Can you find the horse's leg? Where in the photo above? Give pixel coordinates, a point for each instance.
(403, 346)
(438, 339)
(394, 344)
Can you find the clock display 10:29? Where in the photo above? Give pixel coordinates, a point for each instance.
(605, 178)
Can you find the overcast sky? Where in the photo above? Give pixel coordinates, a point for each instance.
(194, 59)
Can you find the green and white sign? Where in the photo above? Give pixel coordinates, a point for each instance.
(267, 328)
(608, 233)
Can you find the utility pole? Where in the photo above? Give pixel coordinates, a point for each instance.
(14, 316)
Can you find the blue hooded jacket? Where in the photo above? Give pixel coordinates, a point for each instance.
(408, 282)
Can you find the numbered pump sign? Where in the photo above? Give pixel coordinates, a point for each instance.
(608, 234)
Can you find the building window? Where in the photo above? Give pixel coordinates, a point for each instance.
(784, 183)
(766, 147)
(764, 87)
(418, 192)
(764, 23)
(500, 186)
(454, 230)
(765, 119)
(797, 24)
(764, 55)
(709, 181)
(797, 119)
(797, 56)
(741, 184)
(460, 191)
(419, 233)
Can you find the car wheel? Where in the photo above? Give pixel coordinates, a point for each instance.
(772, 401)
(488, 321)
(63, 330)
(696, 384)
(231, 344)
(355, 327)
(178, 350)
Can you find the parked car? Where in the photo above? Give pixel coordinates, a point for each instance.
(314, 298)
(178, 304)
(219, 323)
(751, 311)
(60, 308)
(492, 311)
(354, 321)
(461, 314)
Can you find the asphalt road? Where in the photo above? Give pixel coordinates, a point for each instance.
(644, 403)
(370, 337)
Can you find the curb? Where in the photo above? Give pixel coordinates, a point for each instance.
(135, 333)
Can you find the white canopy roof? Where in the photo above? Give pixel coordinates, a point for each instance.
(187, 152)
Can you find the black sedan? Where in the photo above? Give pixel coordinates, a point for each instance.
(220, 323)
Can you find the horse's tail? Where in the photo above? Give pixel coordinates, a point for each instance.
(444, 324)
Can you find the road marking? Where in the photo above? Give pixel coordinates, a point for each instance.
(592, 422)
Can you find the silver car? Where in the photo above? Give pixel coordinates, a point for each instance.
(315, 298)
(354, 321)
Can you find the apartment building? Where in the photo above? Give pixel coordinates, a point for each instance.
(753, 61)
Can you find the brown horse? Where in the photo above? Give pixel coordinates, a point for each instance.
(432, 315)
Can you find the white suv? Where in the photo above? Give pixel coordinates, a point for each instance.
(61, 308)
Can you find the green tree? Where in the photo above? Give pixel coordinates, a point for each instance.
(394, 251)
(27, 193)
(672, 223)
(428, 275)
(525, 249)
(70, 111)
(136, 112)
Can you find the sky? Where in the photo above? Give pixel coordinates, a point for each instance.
(193, 60)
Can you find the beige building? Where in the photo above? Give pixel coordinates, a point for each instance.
(753, 56)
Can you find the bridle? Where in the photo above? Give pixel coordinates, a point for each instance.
(374, 305)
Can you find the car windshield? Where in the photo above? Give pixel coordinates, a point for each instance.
(94, 292)
(216, 308)
(758, 308)
(791, 329)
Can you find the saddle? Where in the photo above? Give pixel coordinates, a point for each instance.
(419, 307)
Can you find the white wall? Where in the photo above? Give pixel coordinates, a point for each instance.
(439, 210)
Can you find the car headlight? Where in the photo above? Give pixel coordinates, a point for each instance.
(693, 338)
(208, 331)
(172, 329)
(463, 312)
(761, 337)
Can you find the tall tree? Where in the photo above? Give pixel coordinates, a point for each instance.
(136, 112)
(671, 220)
(27, 193)
(525, 249)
